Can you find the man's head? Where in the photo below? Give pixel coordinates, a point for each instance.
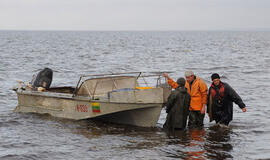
(181, 81)
(189, 76)
(215, 78)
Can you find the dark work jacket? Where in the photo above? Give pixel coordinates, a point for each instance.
(177, 109)
(225, 111)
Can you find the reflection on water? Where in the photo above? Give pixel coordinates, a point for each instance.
(197, 142)
(188, 143)
(206, 143)
(218, 142)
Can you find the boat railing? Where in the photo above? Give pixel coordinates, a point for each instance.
(96, 84)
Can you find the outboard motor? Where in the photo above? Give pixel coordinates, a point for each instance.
(43, 78)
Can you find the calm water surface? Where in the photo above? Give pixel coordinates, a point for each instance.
(242, 58)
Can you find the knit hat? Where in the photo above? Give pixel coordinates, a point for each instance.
(215, 76)
(181, 81)
(189, 73)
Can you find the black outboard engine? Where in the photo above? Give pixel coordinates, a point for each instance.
(43, 78)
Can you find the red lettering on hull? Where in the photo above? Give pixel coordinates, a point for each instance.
(81, 108)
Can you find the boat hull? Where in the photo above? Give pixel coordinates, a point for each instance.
(81, 107)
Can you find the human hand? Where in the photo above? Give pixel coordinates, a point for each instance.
(167, 110)
(203, 110)
(244, 109)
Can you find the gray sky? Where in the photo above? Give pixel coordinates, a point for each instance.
(134, 14)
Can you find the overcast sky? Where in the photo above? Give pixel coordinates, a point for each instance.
(134, 14)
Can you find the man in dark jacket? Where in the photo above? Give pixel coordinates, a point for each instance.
(177, 107)
(220, 101)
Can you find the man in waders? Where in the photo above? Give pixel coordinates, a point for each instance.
(197, 90)
(220, 101)
(177, 107)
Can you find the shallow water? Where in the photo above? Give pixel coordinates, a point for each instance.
(242, 58)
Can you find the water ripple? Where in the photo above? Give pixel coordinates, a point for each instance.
(241, 58)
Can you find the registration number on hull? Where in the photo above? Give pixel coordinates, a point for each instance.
(81, 108)
(84, 108)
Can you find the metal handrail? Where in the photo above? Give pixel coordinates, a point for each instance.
(140, 74)
(154, 73)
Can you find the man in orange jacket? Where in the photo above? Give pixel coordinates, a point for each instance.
(197, 89)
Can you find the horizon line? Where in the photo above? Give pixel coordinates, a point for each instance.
(139, 30)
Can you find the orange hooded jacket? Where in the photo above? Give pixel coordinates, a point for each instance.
(198, 93)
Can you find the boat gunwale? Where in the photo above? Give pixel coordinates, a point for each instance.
(70, 97)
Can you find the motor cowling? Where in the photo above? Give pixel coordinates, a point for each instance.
(43, 78)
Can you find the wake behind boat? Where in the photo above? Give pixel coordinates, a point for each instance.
(123, 98)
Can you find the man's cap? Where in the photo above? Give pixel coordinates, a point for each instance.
(215, 76)
(181, 81)
(189, 73)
